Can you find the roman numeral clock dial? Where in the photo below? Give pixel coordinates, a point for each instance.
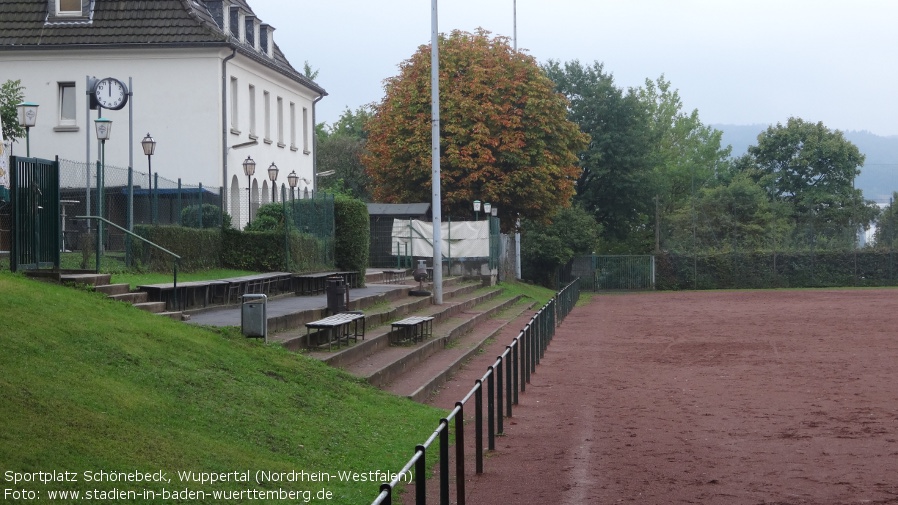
(111, 93)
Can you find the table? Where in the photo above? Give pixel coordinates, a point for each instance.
(414, 328)
(337, 328)
(190, 294)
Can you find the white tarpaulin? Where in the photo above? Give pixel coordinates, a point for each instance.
(463, 239)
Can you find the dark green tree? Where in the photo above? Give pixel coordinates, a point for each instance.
(340, 149)
(812, 168)
(546, 247)
(615, 183)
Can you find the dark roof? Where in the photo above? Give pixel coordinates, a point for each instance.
(26, 25)
(398, 209)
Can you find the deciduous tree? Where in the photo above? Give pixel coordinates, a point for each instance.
(615, 183)
(505, 137)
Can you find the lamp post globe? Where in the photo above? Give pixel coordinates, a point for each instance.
(149, 148)
(293, 179)
(249, 168)
(27, 112)
(273, 176)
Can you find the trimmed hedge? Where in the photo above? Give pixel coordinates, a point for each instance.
(762, 270)
(200, 249)
(265, 251)
(353, 231)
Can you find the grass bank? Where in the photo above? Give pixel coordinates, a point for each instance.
(91, 385)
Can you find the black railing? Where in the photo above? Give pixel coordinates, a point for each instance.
(177, 259)
(508, 375)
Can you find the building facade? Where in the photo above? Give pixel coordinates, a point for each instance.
(206, 80)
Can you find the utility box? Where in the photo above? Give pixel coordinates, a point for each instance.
(336, 295)
(254, 317)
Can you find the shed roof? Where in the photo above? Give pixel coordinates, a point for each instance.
(398, 209)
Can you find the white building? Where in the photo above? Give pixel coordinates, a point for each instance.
(207, 81)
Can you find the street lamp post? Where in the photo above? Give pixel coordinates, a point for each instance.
(149, 148)
(104, 130)
(27, 119)
(273, 176)
(249, 168)
(476, 210)
(293, 179)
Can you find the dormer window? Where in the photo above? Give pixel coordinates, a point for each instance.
(68, 7)
(68, 12)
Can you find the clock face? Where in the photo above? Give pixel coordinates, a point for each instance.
(111, 94)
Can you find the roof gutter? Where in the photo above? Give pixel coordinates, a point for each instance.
(224, 124)
(315, 145)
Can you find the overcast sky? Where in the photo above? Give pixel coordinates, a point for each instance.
(736, 61)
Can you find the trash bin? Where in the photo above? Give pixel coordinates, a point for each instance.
(336, 293)
(254, 317)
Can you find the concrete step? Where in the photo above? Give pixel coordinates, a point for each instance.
(87, 279)
(420, 382)
(176, 316)
(153, 307)
(113, 289)
(385, 366)
(396, 303)
(131, 297)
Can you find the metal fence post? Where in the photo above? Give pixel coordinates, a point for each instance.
(516, 348)
(444, 462)
(491, 408)
(508, 370)
(459, 454)
(500, 426)
(478, 425)
(421, 476)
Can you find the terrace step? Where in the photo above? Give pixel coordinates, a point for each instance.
(113, 289)
(386, 366)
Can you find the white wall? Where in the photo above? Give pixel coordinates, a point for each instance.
(177, 98)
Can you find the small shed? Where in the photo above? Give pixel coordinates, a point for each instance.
(381, 217)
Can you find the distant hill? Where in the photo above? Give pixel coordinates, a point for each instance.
(879, 175)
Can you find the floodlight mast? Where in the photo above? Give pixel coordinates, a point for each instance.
(435, 156)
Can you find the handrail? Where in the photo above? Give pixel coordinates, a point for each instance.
(520, 359)
(157, 246)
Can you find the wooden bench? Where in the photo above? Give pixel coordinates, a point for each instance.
(395, 276)
(190, 295)
(257, 284)
(337, 328)
(316, 283)
(414, 328)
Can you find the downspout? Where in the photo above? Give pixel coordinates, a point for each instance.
(315, 147)
(224, 124)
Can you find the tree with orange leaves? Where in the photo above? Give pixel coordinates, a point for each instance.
(504, 133)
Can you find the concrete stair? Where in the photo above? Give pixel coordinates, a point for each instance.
(102, 284)
(469, 316)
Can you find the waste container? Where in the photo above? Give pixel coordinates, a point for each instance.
(254, 317)
(336, 293)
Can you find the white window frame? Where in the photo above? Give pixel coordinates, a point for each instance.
(281, 122)
(60, 12)
(66, 123)
(293, 127)
(252, 112)
(267, 100)
(235, 106)
(305, 131)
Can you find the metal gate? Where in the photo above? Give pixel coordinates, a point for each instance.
(34, 197)
(602, 273)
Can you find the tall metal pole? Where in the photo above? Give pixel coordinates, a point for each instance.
(515, 35)
(435, 156)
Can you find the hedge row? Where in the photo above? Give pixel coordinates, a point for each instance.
(760, 270)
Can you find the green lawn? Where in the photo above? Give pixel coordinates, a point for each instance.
(88, 385)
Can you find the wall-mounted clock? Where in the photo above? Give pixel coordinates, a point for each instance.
(111, 93)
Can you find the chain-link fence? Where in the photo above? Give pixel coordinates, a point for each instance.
(722, 244)
(126, 198)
